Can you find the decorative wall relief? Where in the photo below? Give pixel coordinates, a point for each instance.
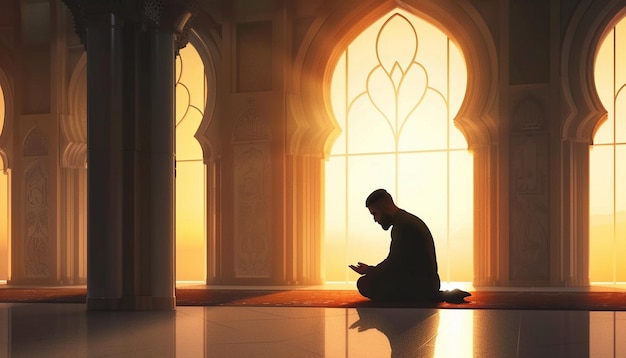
(35, 144)
(252, 196)
(36, 243)
(251, 127)
(529, 201)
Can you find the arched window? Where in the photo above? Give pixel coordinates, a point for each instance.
(395, 92)
(190, 171)
(4, 205)
(1, 110)
(607, 165)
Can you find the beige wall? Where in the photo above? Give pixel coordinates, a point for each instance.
(528, 118)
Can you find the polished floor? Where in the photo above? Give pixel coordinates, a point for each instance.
(69, 330)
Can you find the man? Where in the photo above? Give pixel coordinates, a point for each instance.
(409, 273)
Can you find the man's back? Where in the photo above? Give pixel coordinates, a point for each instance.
(412, 256)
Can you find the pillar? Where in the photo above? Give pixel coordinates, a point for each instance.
(130, 150)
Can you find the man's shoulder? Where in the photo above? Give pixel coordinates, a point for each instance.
(405, 221)
(409, 217)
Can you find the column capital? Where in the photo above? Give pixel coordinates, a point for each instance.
(170, 15)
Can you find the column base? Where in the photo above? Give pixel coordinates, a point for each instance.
(134, 303)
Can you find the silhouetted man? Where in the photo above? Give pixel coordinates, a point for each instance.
(409, 273)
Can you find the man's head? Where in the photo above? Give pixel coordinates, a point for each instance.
(382, 207)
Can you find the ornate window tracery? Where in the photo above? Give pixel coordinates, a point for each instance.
(607, 168)
(395, 92)
(4, 203)
(191, 89)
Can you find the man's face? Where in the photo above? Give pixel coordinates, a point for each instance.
(380, 216)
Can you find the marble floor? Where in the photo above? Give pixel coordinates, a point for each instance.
(69, 330)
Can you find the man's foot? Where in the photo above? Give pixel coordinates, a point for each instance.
(455, 296)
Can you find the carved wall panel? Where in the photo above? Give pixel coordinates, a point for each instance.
(252, 211)
(529, 198)
(35, 144)
(35, 240)
(36, 245)
(252, 196)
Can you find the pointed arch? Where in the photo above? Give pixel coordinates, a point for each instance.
(74, 124)
(74, 134)
(582, 114)
(606, 155)
(314, 128)
(6, 125)
(395, 93)
(73, 177)
(583, 109)
(7, 121)
(191, 95)
(205, 39)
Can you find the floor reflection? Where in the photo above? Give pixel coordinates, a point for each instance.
(68, 330)
(411, 333)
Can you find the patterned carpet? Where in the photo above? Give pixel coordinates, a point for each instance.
(521, 300)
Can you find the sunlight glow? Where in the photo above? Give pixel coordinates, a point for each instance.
(607, 178)
(190, 170)
(2, 110)
(455, 334)
(396, 332)
(605, 335)
(395, 92)
(4, 206)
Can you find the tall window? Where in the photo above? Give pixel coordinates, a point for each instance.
(4, 206)
(190, 171)
(395, 92)
(1, 110)
(607, 179)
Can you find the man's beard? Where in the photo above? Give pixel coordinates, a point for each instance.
(385, 226)
(385, 222)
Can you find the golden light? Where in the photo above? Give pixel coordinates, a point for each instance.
(4, 206)
(2, 110)
(607, 178)
(395, 92)
(190, 171)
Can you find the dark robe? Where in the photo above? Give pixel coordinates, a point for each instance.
(410, 270)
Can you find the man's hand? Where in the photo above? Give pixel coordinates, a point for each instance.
(361, 268)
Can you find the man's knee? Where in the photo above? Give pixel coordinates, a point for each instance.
(373, 288)
(364, 285)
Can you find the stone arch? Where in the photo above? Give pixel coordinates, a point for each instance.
(205, 40)
(74, 124)
(581, 115)
(583, 111)
(315, 129)
(73, 179)
(5, 131)
(6, 156)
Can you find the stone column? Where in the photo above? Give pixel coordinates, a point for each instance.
(104, 158)
(161, 164)
(130, 149)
